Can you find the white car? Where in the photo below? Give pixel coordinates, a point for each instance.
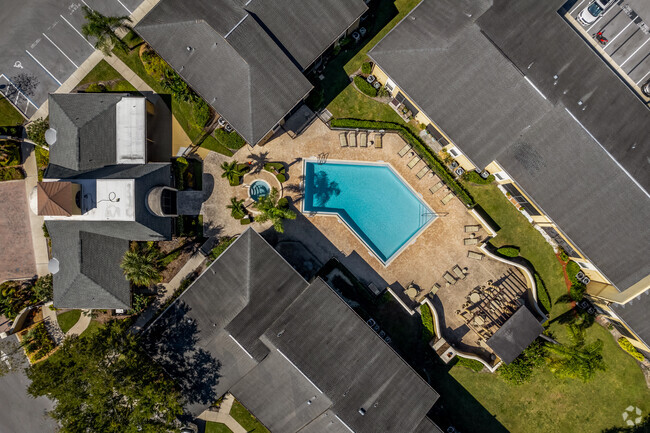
(593, 11)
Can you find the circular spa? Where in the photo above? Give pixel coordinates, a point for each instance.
(259, 188)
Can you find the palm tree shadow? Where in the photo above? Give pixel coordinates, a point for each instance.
(296, 190)
(324, 189)
(259, 161)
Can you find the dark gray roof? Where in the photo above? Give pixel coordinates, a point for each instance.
(232, 62)
(89, 268)
(276, 343)
(427, 426)
(305, 28)
(441, 56)
(85, 127)
(521, 329)
(636, 314)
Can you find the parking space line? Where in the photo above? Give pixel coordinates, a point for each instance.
(44, 68)
(644, 77)
(19, 91)
(75, 29)
(82, 1)
(576, 7)
(127, 9)
(612, 39)
(635, 51)
(601, 17)
(57, 47)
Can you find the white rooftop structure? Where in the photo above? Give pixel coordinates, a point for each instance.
(131, 130)
(103, 200)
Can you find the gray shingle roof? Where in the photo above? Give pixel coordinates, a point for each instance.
(521, 329)
(635, 314)
(295, 342)
(85, 125)
(444, 61)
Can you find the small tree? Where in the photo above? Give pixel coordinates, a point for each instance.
(103, 29)
(577, 362)
(142, 266)
(237, 209)
(232, 172)
(36, 131)
(275, 210)
(43, 288)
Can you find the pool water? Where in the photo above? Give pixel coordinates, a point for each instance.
(372, 200)
(258, 189)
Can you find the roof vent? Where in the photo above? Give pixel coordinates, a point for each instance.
(189, 49)
(362, 411)
(50, 136)
(53, 266)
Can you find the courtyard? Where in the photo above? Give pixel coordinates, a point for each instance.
(426, 264)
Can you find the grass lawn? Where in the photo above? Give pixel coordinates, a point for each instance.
(68, 319)
(351, 103)
(547, 404)
(93, 327)
(246, 419)
(104, 72)
(42, 160)
(9, 116)
(216, 427)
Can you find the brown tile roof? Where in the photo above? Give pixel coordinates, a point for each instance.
(57, 198)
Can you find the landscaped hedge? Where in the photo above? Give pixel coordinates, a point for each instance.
(572, 269)
(423, 150)
(508, 251)
(629, 348)
(366, 68)
(474, 177)
(542, 294)
(231, 140)
(365, 86)
(427, 322)
(278, 169)
(472, 364)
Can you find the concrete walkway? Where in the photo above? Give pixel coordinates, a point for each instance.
(39, 242)
(167, 291)
(51, 324)
(81, 325)
(222, 415)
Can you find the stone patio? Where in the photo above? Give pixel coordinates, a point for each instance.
(435, 251)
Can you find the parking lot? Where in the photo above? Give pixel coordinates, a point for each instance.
(626, 26)
(42, 45)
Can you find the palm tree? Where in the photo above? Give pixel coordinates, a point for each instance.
(103, 29)
(232, 172)
(142, 267)
(275, 210)
(237, 209)
(578, 361)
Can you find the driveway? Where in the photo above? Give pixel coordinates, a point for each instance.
(16, 249)
(20, 412)
(42, 45)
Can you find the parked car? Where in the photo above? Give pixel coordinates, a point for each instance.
(593, 11)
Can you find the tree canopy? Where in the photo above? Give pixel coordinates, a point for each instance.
(142, 266)
(102, 28)
(105, 382)
(274, 209)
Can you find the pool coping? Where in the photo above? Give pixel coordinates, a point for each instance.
(419, 196)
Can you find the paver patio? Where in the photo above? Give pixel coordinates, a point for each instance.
(16, 252)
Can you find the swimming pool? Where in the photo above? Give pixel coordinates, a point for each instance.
(372, 199)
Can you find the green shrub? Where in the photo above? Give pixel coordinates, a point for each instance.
(218, 249)
(202, 112)
(45, 232)
(427, 321)
(42, 288)
(281, 177)
(345, 41)
(274, 167)
(383, 92)
(629, 348)
(424, 151)
(231, 140)
(11, 131)
(283, 203)
(180, 167)
(542, 293)
(366, 68)
(245, 221)
(472, 364)
(474, 177)
(522, 368)
(572, 269)
(577, 291)
(365, 86)
(154, 65)
(9, 154)
(96, 88)
(36, 131)
(38, 342)
(316, 98)
(11, 173)
(563, 255)
(508, 251)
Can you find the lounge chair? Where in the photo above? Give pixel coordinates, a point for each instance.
(378, 141)
(343, 139)
(352, 139)
(422, 172)
(412, 163)
(404, 150)
(470, 241)
(474, 255)
(363, 139)
(449, 278)
(447, 198)
(459, 272)
(434, 290)
(435, 187)
(472, 228)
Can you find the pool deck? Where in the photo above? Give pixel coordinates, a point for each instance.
(435, 251)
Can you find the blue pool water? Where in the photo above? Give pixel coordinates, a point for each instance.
(258, 189)
(377, 205)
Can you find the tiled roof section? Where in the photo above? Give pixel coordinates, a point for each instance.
(85, 125)
(57, 198)
(305, 28)
(521, 329)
